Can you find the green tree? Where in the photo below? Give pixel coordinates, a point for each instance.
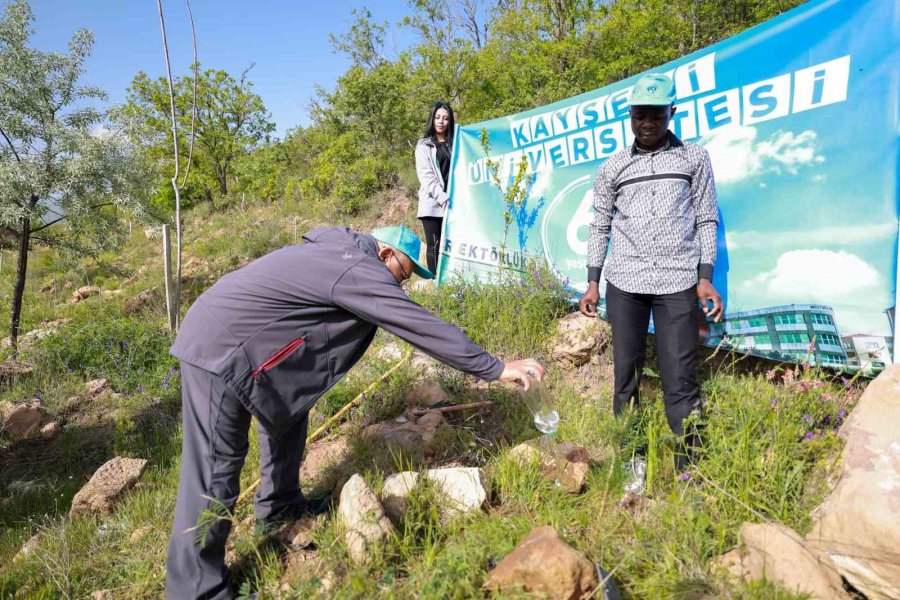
(61, 171)
(231, 120)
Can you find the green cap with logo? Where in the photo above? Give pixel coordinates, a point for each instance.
(653, 89)
(403, 239)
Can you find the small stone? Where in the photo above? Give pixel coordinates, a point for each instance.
(367, 526)
(321, 464)
(567, 464)
(428, 393)
(51, 429)
(102, 595)
(544, 565)
(107, 486)
(10, 368)
(461, 489)
(97, 389)
(141, 532)
(411, 437)
(298, 534)
(24, 420)
(393, 495)
(83, 293)
(30, 546)
(577, 338)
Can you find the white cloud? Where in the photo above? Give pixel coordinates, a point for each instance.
(841, 280)
(845, 235)
(736, 153)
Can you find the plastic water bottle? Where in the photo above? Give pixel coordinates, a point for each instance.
(546, 418)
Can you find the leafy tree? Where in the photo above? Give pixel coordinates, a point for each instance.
(231, 120)
(63, 175)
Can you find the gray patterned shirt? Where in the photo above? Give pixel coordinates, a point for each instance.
(660, 210)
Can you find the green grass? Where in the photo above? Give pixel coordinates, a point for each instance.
(756, 463)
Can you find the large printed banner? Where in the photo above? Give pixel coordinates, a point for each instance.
(800, 117)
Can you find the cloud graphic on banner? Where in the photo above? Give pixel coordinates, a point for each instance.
(736, 154)
(841, 280)
(844, 235)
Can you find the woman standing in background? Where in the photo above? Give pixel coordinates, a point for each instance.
(433, 168)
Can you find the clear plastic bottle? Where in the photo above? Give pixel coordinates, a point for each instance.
(538, 401)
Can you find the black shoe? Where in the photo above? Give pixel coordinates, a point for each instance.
(304, 508)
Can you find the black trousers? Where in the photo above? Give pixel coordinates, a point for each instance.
(433, 227)
(677, 325)
(214, 446)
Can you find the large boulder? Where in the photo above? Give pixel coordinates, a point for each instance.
(578, 338)
(779, 554)
(24, 419)
(364, 519)
(545, 566)
(858, 524)
(10, 369)
(46, 329)
(566, 465)
(107, 486)
(414, 436)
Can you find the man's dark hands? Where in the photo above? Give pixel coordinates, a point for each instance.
(707, 293)
(589, 300)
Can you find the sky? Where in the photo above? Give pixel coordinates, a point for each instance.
(287, 41)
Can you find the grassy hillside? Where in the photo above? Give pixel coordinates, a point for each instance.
(769, 441)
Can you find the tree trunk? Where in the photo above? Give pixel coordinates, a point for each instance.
(222, 176)
(19, 288)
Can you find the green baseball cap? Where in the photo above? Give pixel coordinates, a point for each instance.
(653, 89)
(403, 239)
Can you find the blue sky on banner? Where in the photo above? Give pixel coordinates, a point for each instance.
(799, 115)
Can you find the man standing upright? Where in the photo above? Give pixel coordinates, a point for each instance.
(656, 202)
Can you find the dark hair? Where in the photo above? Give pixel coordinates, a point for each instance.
(451, 125)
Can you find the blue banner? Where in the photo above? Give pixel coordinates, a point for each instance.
(800, 117)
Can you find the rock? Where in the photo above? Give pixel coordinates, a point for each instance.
(102, 595)
(543, 564)
(367, 525)
(459, 490)
(140, 533)
(298, 534)
(26, 340)
(390, 352)
(51, 430)
(428, 393)
(97, 389)
(12, 368)
(322, 462)
(424, 364)
(777, 553)
(30, 546)
(857, 524)
(153, 232)
(6, 408)
(107, 485)
(304, 565)
(139, 302)
(422, 285)
(111, 294)
(393, 495)
(192, 267)
(83, 293)
(412, 437)
(24, 420)
(578, 338)
(564, 464)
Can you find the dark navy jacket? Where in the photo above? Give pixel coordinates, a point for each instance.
(284, 329)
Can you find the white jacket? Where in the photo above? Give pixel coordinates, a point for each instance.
(432, 197)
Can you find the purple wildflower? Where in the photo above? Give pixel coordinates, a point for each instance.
(684, 476)
(842, 413)
(807, 419)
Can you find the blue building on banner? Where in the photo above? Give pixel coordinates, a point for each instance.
(799, 332)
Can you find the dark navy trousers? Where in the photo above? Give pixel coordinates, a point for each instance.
(215, 442)
(677, 329)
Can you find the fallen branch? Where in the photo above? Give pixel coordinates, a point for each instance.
(450, 409)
